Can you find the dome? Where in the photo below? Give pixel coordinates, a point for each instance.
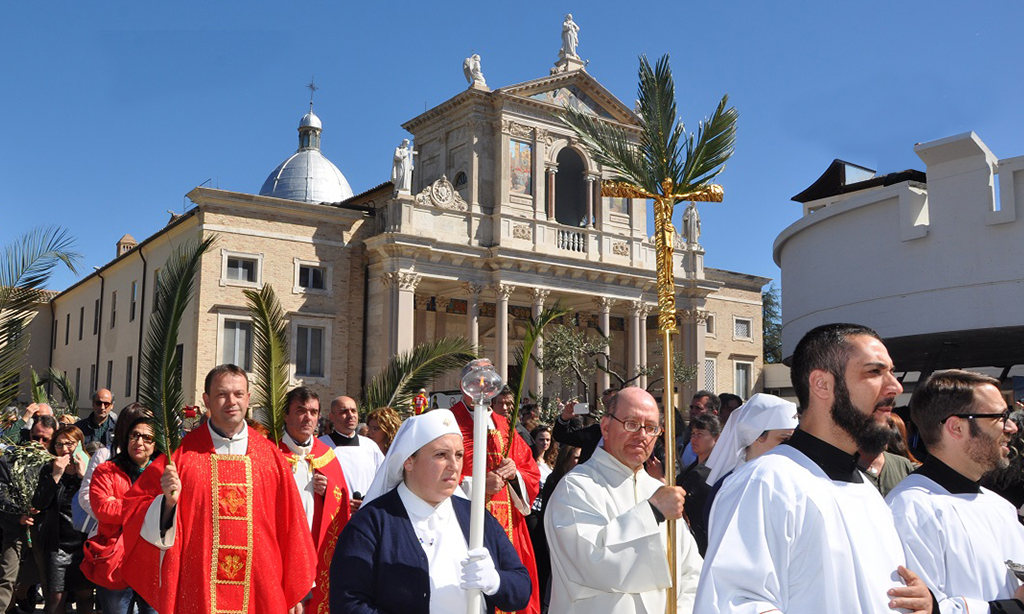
(310, 120)
(308, 175)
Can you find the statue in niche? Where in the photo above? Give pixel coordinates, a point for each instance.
(570, 37)
(691, 224)
(471, 68)
(401, 168)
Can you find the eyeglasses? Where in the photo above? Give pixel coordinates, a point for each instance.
(632, 426)
(43, 439)
(1003, 417)
(65, 444)
(141, 436)
(103, 404)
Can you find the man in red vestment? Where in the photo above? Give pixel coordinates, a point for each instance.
(512, 484)
(221, 529)
(322, 487)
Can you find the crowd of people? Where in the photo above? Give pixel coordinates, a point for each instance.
(841, 502)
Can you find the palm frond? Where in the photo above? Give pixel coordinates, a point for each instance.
(523, 355)
(662, 132)
(406, 373)
(25, 266)
(160, 387)
(715, 143)
(38, 388)
(67, 392)
(269, 357)
(610, 147)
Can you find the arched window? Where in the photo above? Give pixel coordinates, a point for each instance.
(570, 189)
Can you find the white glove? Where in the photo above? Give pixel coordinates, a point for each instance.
(478, 572)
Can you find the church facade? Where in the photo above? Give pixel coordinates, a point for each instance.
(502, 217)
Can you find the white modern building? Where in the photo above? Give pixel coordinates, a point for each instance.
(931, 260)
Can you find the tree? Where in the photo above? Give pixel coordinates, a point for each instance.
(771, 316)
(25, 266)
(269, 358)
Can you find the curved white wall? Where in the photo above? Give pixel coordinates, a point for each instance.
(908, 259)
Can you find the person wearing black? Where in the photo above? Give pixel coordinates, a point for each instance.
(571, 431)
(59, 482)
(704, 432)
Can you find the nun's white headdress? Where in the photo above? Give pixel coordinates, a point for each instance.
(414, 433)
(763, 412)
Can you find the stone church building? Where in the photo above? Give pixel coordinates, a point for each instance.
(503, 216)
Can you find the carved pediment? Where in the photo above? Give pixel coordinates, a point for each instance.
(575, 98)
(577, 90)
(441, 194)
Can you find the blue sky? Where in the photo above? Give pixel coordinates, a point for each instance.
(113, 111)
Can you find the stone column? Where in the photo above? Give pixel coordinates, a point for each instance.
(473, 312)
(604, 309)
(537, 296)
(644, 356)
(425, 325)
(692, 325)
(590, 201)
(635, 308)
(551, 192)
(404, 316)
(503, 292)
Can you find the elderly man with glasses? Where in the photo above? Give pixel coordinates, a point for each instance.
(606, 523)
(956, 533)
(99, 425)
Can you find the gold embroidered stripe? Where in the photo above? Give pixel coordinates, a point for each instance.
(231, 559)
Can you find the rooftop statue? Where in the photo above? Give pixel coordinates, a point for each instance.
(401, 168)
(570, 37)
(471, 68)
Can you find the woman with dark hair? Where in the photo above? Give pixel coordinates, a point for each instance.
(134, 445)
(541, 444)
(59, 482)
(704, 433)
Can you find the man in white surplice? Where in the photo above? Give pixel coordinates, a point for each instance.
(799, 530)
(955, 533)
(605, 523)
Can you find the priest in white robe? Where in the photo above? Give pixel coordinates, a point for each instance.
(955, 533)
(799, 530)
(605, 523)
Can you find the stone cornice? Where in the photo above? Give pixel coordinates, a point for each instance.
(465, 97)
(207, 197)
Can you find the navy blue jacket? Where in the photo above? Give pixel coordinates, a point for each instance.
(379, 564)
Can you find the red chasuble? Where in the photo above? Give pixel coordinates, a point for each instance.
(500, 505)
(330, 514)
(242, 544)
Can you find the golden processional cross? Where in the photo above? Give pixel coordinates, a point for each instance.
(664, 204)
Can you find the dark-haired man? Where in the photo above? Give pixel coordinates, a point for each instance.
(955, 533)
(239, 540)
(321, 484)
(799, 529)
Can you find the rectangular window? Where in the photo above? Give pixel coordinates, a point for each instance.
(134, 300)
(128, 378)
(113, 309)
(81, 322)
(238, 344)
(67, 328)
(709, 325)
(78, 382)
(156, 289)
(709, 374)
(92, 378)
(742, 380)
(742, 328)
(242, 269)
(110, 374)
(96, 318)
(309, 352)
(312, 277)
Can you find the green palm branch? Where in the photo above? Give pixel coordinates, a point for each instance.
(25, 266)
(67, 392)
(269, 357)
(38, 388)
(522, 356)
(665, 149)
(406, 373)
(160, 387)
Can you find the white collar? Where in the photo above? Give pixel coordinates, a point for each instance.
(419, 510)
(603, 457)
(217, 439)
(295, 447)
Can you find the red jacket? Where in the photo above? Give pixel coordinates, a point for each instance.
(104, 550)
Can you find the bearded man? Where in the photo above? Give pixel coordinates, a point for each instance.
(799, 529)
